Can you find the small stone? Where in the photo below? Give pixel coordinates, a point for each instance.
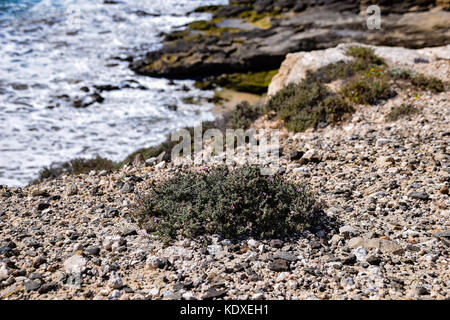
(189, 296)
(38, 261)
(336, 238)
(276, 243)
(350, 260)
(384, 162)
(214, 293)
(355, 242)
(295, 155)
(115, 281)
(252, 243)
(444, 190)
(170, 295)
(32, 285)
(258, 296)
(373, 260)
(160, 165)
(348, 231)
(418, 195)
(360, 253)
(382, 142)
(93, 250)
(4, 273)
(72, 190)
(214, 249)
(422, 291)
(285, 256)
(45, 288)
(75, 264)
(444, 234)
(278, 265)
(127, 188)
(129, 232)
(310, 156)
(42, 206)
(139, 160)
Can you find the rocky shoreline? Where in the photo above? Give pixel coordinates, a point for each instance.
(254, 36)
(385, 185)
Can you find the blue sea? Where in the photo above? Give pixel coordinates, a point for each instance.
(51, 52)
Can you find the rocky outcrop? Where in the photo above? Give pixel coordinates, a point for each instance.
(296, 65)
(256, 35)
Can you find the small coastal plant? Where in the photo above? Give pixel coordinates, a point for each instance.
(76, 166)
(402, 111)
(233, 204)
(365, 80)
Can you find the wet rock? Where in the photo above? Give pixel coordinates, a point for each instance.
(88, 100)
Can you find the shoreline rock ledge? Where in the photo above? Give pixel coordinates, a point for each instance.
(252, 36)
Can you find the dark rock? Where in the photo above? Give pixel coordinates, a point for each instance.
(93, 250)
(350, 260)
(42, 206)
(162, 263)
(315, 244)
(45, 288)
(213, 293)
(4, 249)
(32, 285)
(421, 291)
(129, 232)
(88, 100)
(418, 195)
(38, 262)
(278, 265)
(276, 243)
(284, 256)
(374, 260)
(296, 155)
(112, 212)
(34, 276)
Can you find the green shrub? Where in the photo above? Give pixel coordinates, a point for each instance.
(364, 54)
(307, 104)
(233, 204)
(367, 90)
(418, 80)
(244, 115)
(75, 166)
(401, 111)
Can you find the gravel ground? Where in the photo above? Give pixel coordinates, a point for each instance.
(386, 184)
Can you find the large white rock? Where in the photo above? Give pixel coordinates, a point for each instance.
(296, 65)
(75, 264)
